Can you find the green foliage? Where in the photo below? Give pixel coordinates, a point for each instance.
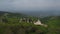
(21, 28)
(54, 25)
(10, 24)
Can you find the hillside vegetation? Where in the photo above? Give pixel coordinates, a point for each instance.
(10, 24)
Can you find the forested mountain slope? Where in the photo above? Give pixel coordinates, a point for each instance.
(9, 24)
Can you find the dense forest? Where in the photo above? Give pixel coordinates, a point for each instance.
(10, 24)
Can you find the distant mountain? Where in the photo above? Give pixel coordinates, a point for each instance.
(36, 13)
(12, 14)
(43, 13)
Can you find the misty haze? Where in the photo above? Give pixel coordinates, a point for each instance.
(29, 16)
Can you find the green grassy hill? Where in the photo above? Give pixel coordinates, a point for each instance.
(53, 24)
(9, 24)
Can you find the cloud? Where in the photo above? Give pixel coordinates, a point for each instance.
(29, 4)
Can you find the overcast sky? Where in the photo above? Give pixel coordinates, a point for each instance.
(18, 5)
